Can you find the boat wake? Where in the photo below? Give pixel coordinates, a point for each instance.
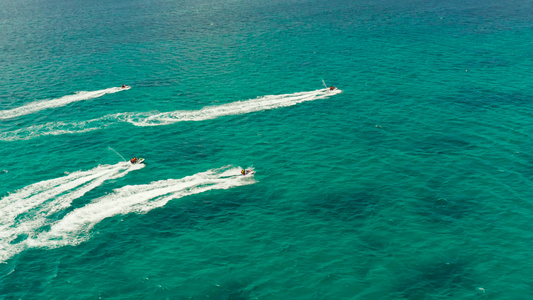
(27, 223)
(36, 106)
(30, 208)
(166, 118)
(235, 108)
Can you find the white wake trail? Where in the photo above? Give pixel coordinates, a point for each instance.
(46, 104)
(24, 211)
(235, 108)
(74, 228)
(166, 118)
(51, 128)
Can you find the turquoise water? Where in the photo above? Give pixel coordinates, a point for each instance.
(412, 181)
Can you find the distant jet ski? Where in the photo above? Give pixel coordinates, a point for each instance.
(247, 172)
(136, 160)
(331, 88)
(125, 86)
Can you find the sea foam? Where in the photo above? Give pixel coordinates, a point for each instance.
(37, 106)
(166, 118)
(27, 209)
(74, 227)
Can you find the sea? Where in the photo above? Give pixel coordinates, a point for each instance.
(413, 179)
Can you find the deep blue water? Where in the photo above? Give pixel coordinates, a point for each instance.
(411, 181)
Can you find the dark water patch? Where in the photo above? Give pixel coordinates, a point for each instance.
(447, 210)
(159, 82)
(28, 276)
(184, 148)
(98, 266)
(480, 58)
(436, 280)
(524, 162)
(439, 144)
(476, 99)
(374, 135)
(102, 247)
(490, 62)
(232, 290)
(214, 206)
(194, 212)
(376, 244)
(345, 206)
(176, 222)
(198, 149)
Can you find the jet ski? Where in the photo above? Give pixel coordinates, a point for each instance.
(247, 172)
(136, 160)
